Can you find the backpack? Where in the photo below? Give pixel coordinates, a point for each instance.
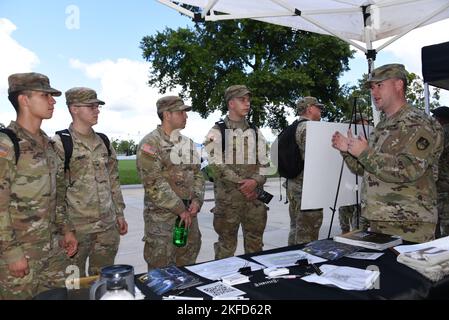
(67, 144)
(289, 161)
(15, 141)
(222, 125)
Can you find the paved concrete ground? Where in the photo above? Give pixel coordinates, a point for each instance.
(276, 233)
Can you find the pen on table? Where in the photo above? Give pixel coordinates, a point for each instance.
(287, 276)
(317, 269)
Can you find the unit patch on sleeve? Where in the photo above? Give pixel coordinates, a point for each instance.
(422, 143)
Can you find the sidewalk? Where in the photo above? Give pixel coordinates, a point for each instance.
(276, 233)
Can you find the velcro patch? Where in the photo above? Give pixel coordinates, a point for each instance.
(149, 149)
(422, 143)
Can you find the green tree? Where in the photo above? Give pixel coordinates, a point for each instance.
(277, 63)
(125, 147)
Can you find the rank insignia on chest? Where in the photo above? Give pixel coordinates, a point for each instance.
(149, 149)
(422, 143)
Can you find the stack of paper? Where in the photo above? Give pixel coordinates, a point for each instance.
(369, 239)
(431, 259)
(347, 278)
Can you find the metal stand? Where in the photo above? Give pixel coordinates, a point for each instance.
(333, 209)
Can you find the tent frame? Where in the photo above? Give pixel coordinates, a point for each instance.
(208, 14)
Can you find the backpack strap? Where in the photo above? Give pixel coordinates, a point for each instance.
(222, 125)
(67, 144)
(15, 141)
(106, 142)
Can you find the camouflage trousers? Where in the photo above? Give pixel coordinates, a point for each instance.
(443, 215)
(100, 247)
(228, 216)
(47, 266)
(410, 231)
(347, 215)
(304, 224)
(159, 250)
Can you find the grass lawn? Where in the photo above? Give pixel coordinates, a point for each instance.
(128, 172)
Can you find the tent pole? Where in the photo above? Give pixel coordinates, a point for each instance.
(427, 97)
(370, 53)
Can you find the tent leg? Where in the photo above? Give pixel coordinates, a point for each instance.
(427, 97)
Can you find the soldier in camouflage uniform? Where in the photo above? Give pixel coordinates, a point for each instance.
(32, 211)
(442, 115)
(169, 168)
(304, 224)
(348, 214)
(237, 178)
(94, 200)
(399, 164)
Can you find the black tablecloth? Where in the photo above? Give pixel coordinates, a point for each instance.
(397, 281)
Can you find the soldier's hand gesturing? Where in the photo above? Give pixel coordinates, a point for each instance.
(340, 142)
(356, 144)
(19, 269)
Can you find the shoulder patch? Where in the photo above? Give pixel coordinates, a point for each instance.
(149, 149)
(3, 151)
(422, 143)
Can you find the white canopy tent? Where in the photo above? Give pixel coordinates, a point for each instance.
(360, 23)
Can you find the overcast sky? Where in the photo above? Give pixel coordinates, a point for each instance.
(96, 44)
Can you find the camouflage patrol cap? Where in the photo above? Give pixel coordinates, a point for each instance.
(81, 95)
(441, 112)
(30, 81)
(171, 103)
(303, 103)
(236, 91)
(387, 71)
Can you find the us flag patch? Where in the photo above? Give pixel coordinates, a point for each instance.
(3, 151)
(148, 149)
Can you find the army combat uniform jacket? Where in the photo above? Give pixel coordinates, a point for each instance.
(238, 161)
(94, 198)
(443, 185)
(31, 197)
(400, 168)
(242, 163)
(32, 214)
(170, 172)
(304, 224)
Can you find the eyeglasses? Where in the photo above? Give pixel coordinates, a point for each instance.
(92, 106)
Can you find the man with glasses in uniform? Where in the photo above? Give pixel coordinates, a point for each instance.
(94, 199)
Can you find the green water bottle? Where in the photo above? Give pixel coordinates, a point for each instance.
(180, 233)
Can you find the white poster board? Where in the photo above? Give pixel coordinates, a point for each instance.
(322, 168)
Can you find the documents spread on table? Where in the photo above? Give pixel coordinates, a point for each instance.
(215, 270)
(286, 259)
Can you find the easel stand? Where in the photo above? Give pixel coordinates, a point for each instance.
(333, 209)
